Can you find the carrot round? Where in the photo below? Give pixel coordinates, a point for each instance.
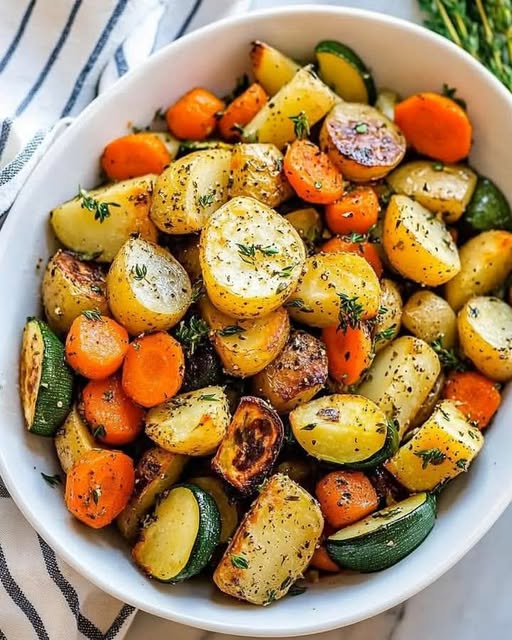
(113, 418)
(134, 155)
(346, 497)
(153, 369)
(323, 562)
(435, 126)
(476, 396)
(96, 345)
(241, 111)
(356, 211)
(310, 172)
(365, 249)
(349, 353)
(194, 115)
(99, 486)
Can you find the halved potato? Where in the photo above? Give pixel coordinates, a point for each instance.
(71, 286)
(309, 225)
(418, 244)
(296, 375)
(126, 205)
(327, 280)
(486, 261)
(362, 143)
(251, 445)
(251, 258)
(73, 439)
(485, 333)
(190, 190)
(429, 317)
(389, 318)
(147, 289)
(257, 172)
(271, 68)
(441, 188)
(304, 92)
(245, 347)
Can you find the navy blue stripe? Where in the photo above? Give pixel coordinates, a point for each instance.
(14, 167)
(2, 635)
(3, 489)
(115, 627)
(20, 599)
(19, 34)
(189, 19)
(4, 134)
(94, 56)
(121, 64)
(51, 60)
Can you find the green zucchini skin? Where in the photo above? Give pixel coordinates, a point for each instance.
(55, 392)
(208, 535)
(390, 447)
(374, 551)
(488, 208)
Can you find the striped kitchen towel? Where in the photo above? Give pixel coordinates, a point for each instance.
(55, 55)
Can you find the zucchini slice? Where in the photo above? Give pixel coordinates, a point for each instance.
(227, 508)
(73, 439)
(181, 537)
(46, 381)
(389, 449)
(343, 70)
(386, 537)
(251, 445)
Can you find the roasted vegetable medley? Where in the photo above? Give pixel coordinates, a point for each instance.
(278, 329)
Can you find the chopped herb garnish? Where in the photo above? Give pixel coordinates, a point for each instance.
(356, 237)
(309, 427)
(92, 314)
(100, 209)
(96, 494)
(451, 92)
(444, 413)
(298, 303)
(99, 432)
(286, 272)
(96, 289)
(361, 127)
(448, 357)
(268, 250)
(242, 83)
(281, 287)
(197, 290)
(296, 590)
(206, 200)
(473, 311)
(286, 583)
(248, 251)
(385, 334)
(437, 166)
(230, 330)
(278, 165)
(300, 125)
(430, 456)
(271, 596)
(350, 312)
(140, 271)
(318, 184)
(191, 332)
(239, 562)
(53, 481)
(209, 397)
(462, 464)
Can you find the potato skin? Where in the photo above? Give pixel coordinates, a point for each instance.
(429, 317)
(71, 286)
(157, 300)
(485, 333)
(486, 261)
(296, 375)
(361, 154)
(259, 341)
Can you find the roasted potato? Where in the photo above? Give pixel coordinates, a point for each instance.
(485, 333)
(489, 208)
(430, 317)
(296, 375)
(147, 289)
(389, 318)
(251, 258)
(418, 244)
(327, 280)
(440, 188)
(186, 253)
(192, 423)
(401, 377)
(251, 445)
(257, 172)
(190, 190)
(386, 101)
(69, 287)
(429, 404)
(361, 141)
(245, 347)
(304, 92)
(308, 224)
(486, 261)
(73, 439)
(98, 222)
(271, 68)
(171, 143)
(273, 545)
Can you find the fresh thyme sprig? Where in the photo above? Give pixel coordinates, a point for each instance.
(101, 210)
(191, 332)
(448, 357)
(300, 125)
(350, 312)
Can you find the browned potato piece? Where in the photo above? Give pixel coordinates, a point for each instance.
(187, 254)
(361, 141)
(430, 317)
(71, 286)
(296, 375)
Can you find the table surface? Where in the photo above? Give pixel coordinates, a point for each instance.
(471, 601)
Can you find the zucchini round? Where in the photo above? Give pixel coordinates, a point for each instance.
(181, 536)
(227, 508)
(488, 208)
(386, 537)
(46, 381)
(343, 70)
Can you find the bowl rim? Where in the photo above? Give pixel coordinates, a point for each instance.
(136, 76)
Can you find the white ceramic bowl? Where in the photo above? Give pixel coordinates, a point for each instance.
(402, 56)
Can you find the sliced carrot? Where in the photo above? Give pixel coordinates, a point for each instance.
(356, 211)
(96, 345)
(134, 155)
(113, 418)
(153, 369)
(365, 249)
(435, 126)
(241, 111)
(99, 486)
(349, 353)
(311, 174)
(345, 497)
(194, 115)
(322, 561)
(476, 396)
